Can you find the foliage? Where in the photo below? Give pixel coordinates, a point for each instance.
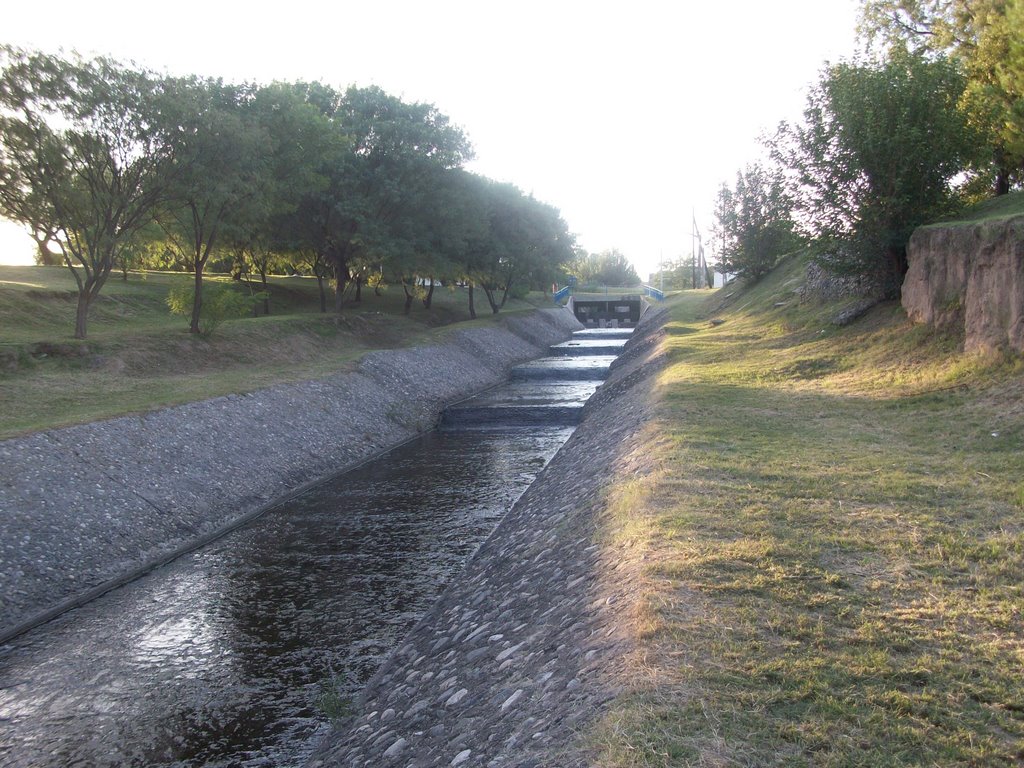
(986, 37)
(754, 222)
(524, 242)
(222, 189)
(875, 157)
(84, 158)
(248, 179)
(609, 267)
(371, 209)
(220, 302)
(681, 274)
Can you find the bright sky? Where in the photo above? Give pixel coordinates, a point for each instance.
(627, 116)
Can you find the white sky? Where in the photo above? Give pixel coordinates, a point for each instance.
(627, 116)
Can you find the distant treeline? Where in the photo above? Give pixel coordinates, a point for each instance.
(114, 167)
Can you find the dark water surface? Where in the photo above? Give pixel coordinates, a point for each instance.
(225, 656)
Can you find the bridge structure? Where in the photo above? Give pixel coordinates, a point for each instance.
(608, 309)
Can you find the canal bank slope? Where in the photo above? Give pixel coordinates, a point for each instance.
(88, 507)
(521, 652)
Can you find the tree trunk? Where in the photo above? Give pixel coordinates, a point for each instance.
(504, 295)
(897, 258)
(430, 294)
(409, 296)
(82, 313)
(1002, 186)
(472, 308)
(359, 289)
(489, 293)
(340, 278)
(266, 292)
(44, 256)
(197, 301)
(238, 266)
(323, 293)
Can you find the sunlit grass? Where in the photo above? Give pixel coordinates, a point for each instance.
(831, 545)
(139, 357)
(999, 207)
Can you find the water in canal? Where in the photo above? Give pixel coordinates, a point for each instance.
(236, 654)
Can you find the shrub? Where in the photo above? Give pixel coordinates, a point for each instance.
(220, 303)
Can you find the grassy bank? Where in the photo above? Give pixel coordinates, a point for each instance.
(831, 524)
(139, 357)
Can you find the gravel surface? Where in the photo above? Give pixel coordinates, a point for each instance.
(520, 653)
(84, 508)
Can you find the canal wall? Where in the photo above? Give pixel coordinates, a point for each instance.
(524, 650)
(86, 508)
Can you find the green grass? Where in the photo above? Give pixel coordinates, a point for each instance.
(832, 545)
(139, 357)
(1000, 207)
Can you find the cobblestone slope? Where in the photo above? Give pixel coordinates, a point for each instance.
(518, 655)
(84, 508)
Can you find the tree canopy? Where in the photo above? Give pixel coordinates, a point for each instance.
(610, 268)
(85, 158)
(880, 144)
(754, 222)
(986, 39)
(116, 165)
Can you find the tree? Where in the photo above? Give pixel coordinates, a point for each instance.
(985, 38)
(754, 222)
(525, 242)
(875, 158)
(298, 140)
(609, 267)
(84, 159)
(383, 177)
(461, 233)
(613, 268)
(222, 184)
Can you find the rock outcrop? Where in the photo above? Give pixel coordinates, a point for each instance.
(969, 276)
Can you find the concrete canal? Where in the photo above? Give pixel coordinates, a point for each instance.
(239, 653)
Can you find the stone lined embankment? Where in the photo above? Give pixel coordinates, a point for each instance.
(86, 507)
(521, 652)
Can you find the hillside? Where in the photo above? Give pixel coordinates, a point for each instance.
(827, 523)
(139, 357)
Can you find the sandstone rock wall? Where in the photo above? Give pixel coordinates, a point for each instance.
(970, 277)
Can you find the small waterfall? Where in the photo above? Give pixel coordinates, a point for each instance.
(550, 391)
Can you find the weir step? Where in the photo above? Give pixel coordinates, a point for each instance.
(587, 347)
(603, 333)
(482, 417)
(565, 368)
